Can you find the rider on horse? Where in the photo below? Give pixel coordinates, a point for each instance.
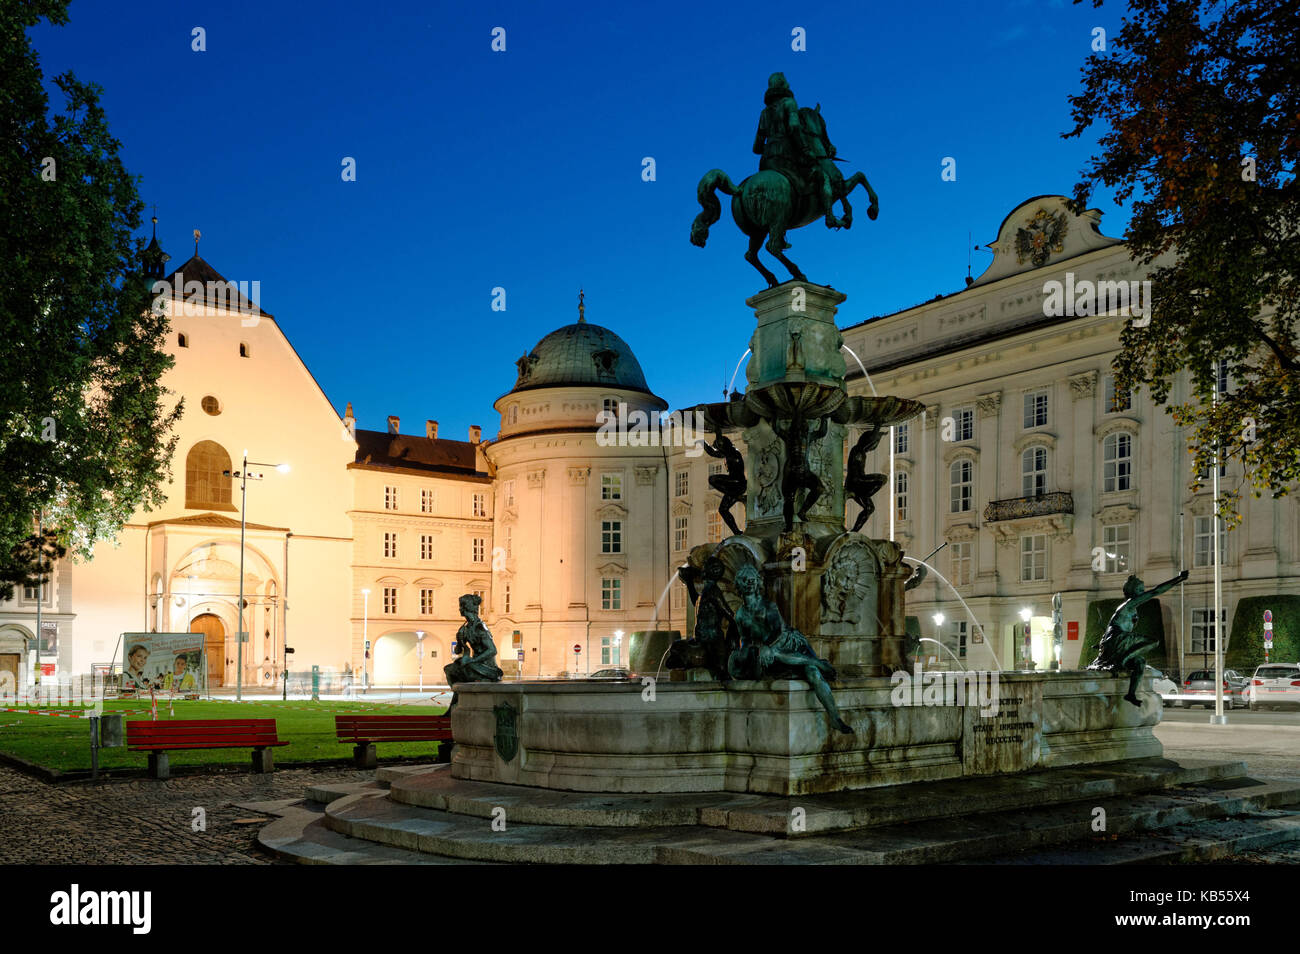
(785, 147)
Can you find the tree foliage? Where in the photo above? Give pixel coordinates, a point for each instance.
(1198, 105)
(84, 422)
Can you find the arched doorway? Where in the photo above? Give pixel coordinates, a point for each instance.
(214, 646)
(395, 661)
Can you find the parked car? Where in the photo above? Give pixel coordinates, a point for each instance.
(1275, 684)
(612, 674)
(1200, 685)
(1164, 687)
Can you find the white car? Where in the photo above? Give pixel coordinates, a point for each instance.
(1274, 684)
(1163, 686)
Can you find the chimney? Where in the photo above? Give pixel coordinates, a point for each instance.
(475, 433)
(431, 430)
(393, 422)
(350, 422)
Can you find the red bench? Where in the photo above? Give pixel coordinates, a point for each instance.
(364, 731)
(157, 738)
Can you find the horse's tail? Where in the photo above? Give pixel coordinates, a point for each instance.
(713, 180)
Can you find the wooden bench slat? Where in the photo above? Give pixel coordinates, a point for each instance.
(150, 736)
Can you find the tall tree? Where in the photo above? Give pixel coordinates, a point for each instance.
(1199, 109)
(84, 421)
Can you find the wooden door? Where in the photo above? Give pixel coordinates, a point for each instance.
(214, 646)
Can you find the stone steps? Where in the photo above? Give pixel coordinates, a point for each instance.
(1271, 835)
(301, 836)
(995, 834)
(822, 814)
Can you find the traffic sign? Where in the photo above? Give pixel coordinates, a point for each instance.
(1268, 616)
(577, 648)
(520, 655)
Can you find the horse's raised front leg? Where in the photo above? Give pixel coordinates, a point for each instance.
(858, 179)
(755, 242)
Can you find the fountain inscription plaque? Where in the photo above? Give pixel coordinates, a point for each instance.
(1010, 740)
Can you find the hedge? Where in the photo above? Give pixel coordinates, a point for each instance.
(1245, 648)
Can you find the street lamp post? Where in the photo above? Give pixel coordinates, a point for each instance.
(618, 648)
(244, 476)
(419, 653)
(365, 639)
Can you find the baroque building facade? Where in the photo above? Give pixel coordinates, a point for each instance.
(1028, 475)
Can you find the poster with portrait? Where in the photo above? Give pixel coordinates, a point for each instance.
(162, 662)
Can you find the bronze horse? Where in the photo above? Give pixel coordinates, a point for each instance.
(767, 204)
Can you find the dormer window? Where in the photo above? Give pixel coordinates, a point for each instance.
(606, 360)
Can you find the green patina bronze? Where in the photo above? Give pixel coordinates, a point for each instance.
(797, 182)
(1121, 649)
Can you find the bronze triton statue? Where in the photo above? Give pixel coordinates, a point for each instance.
(732, 484)
(797, 181)
(1121, 649)
(858, 484)
(798, 475)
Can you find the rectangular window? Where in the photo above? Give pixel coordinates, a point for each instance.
(1033, 472)
(478, 546)
(681, 532)
(390, 600)
(681, 483)
(1204, 472)
(715, 527)
(1117, 545)
(678, 598)
(611, 651)
(961, 495)
(1203, 629)
(961, 627)
(1035, 409)
(509, 532)
(964, 421)
(962, 564)
(1203, 543)
(426, 546)
(716, 467)
(611, 593)
(611, 486)
(426, 602)
(609, 406)
(1033, 558)
(1117, 462)
(900, 494)
(482, 597)
(390, 546)
(505, 599)
(480, 505)
(1222, 379)
(1116, 398)
(390, 498)
(426, 500)
(611, 536)
(902, 439)
(508, 488)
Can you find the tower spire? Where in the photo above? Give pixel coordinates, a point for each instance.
(582, 308)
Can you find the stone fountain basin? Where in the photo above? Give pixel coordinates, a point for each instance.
(774, 737)
(765, 404)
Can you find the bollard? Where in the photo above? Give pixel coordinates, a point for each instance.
(110, 731)
(315, 683)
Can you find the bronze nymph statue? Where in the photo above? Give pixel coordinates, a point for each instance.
(1121, 649)
(732, 484)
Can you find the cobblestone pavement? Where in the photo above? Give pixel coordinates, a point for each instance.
(143, 821)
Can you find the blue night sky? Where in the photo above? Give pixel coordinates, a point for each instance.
(522, 169)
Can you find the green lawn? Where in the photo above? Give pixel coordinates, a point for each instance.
(64, 744)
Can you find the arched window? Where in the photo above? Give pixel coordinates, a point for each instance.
(206, 486)
(1033, 471)
(243, 349)
(1117, 462)
(961, 483)
(182, 340)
